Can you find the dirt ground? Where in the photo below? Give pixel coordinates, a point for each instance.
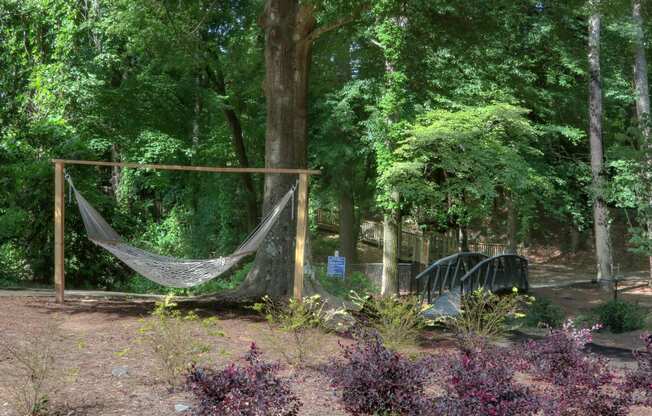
(100, 335)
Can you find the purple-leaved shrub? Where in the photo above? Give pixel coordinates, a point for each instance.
(375, 380)
(251, 390)
(579, 383)
(480, 381)
(639, 381)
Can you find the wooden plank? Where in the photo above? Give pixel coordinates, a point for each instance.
(187, 168)
(59, 220)
(302, 227)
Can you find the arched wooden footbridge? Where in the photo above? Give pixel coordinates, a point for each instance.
(470, 271)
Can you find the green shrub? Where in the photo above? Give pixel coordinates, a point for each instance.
(542, 312)
(342, 287)
(398, 320)
(485, 314)
(621, 316)
(139, 284)
(172, 337)
(301, 320)
(34, 370)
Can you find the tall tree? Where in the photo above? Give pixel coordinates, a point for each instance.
(600, 210)
(290, 28)
(643, 103)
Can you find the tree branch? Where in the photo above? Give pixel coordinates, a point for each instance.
(315, 34)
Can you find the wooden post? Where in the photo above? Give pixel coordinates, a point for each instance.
(302, 226)
(425, 250)
(59, 207)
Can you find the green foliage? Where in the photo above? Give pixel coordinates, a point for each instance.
(486, 315)
(621, 316)
(345, 287)
(172, 337)
(139, 284)
(398, 321)
(35, 370)
(464, 160)
(301, 320)
(456, 107)
(542, 312)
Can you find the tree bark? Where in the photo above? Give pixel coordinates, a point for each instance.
(289, 33)
(463, 238)
(600, 211)
(116, 172)
(643, 105)
(391, 241)
(512, 225)
(347, 227)
(237, 139)
(273, 268)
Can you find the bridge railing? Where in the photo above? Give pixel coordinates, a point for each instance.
(498, 273)
(446, 273)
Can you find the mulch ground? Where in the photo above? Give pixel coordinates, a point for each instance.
(100, 335)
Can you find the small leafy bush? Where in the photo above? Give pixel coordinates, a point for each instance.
(397, 320)
(342, 287)
(37, 374)
(301, 320)
(374, 380)
(582, 383)
(485, 314)
(621, 316)
(639, 381)
(542, 312)
(172, 338)
(251, 390)
(480, 381)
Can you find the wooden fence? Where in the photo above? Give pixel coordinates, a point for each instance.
(412, 243)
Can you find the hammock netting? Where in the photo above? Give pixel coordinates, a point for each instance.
(164, 270)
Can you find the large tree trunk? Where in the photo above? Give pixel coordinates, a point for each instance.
(391, 241)
(643, 103)
(273, 266)
(347, 227)
(289, 33)
(600, 211)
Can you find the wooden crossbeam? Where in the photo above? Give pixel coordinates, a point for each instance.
(187, 168)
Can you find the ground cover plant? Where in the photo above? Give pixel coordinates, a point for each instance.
(639, 380)
(581, 383)
(37, 374)
(543, 312)
(374, 380)
(302, 320)
(486, 315)
(254, 389)
(479, 380)
(397, 320)
(355, 282)
(621, 316)
(170, 335)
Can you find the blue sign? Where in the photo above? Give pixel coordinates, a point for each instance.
(336, 266)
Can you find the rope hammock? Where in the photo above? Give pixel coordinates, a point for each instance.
(164, 270)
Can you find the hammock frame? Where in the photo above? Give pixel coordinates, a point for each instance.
(59, 211)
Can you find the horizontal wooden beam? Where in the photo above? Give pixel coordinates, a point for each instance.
(187, 168)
